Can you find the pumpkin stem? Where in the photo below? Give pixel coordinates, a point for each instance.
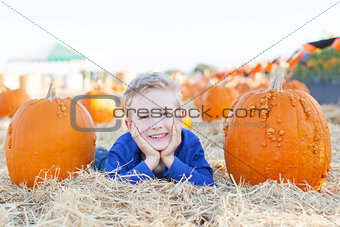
(276, 83)
(51, 92)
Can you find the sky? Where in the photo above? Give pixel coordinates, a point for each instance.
(162, 35)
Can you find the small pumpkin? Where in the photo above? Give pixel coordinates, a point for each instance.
(11, 100)
(242, 88)
(40, 138)
(118, 88)
(282, 133)
(194, 92)
(263, 85)
(216, 99)
(197, 93)
(3, 88)
(187, 90)
(101, 110)
(295, 84)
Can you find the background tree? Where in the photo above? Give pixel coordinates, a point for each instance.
(204, 69)
(173, 71)
(322, 67)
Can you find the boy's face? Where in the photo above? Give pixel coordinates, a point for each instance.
(150, 119)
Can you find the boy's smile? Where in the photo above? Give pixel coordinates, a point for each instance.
(159, 136)
(155, 129)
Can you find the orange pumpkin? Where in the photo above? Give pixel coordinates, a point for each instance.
(242, 88)
(295, 84)
(216, 99)
(197, 91)
(187, 90)
(40, 138)
(11, 100)
(118, 88)
(2, 89)
(291, 140)
(101, 110)
(263, 85)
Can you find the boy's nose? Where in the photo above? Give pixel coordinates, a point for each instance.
(157, 123)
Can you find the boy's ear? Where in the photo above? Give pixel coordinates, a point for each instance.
(181, 113)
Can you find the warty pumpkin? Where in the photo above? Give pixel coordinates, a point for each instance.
(40, 139)
(101, 110)
(290, 141)
(11, 100)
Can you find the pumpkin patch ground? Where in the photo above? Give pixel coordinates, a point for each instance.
(89, 199)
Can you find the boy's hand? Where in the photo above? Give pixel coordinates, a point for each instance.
(167, 155)
(152, 156)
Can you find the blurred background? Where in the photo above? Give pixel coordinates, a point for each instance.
(195, 42)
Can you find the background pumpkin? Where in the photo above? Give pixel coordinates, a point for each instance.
(118, 88)
(292, 140)
(242, 88)
(187, 90)
(197, 93)
(101, 110)
(295, 84)
(217, 98)
(11, 100)
(2, 89)
(40, 137)
(263, 85)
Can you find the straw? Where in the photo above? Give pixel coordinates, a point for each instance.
(90, 199)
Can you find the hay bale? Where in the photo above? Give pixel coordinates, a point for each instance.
(90, 199)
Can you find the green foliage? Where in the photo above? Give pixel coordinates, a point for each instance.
(322, 67)
(172, 71)
(204, 69)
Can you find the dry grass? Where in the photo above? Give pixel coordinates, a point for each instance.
(92, 200)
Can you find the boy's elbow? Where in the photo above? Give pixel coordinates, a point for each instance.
(204, 181)
(209, 182)
(209, 179)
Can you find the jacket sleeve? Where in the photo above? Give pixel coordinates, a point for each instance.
(117, 167)
(197, 171)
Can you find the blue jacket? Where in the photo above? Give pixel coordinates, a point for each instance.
(189, 162)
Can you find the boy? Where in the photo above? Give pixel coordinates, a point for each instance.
(156, 144)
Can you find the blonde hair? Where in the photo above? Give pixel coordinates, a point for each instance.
(148, 81)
